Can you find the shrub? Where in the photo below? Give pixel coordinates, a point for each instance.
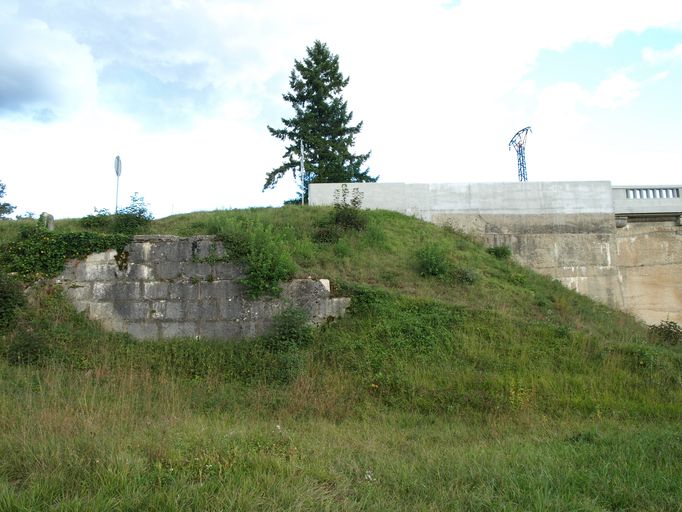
(129, 220)
(27, 347)
(465, 275)
(11, 300)
(667, 331)
(348, 213)
(290, 330)
(327, 233)
(501, 252)
(260, 248)
(433, 261)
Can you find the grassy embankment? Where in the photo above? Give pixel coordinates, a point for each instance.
(478, 386)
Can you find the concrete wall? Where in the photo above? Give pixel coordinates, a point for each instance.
(166, 287)
(566, 230)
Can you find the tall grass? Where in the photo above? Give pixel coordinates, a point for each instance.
(506, 393)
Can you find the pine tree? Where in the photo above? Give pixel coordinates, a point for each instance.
(320, 125)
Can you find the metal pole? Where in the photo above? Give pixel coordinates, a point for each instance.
(117, 168)
(303, 180)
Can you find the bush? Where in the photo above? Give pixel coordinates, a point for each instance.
(433, 260)
(268, 262)
(27, 346)
(11, 300)
(263, 251)
(667, 332)
(466, 275)
(129, 220)
(290, 330)
(347, 215)
(501, 252)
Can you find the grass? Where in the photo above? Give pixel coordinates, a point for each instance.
(501, 392)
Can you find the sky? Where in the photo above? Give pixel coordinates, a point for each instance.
(183, 91)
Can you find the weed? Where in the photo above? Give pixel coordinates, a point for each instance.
(289, 330)
(11, 300)
(433, 260)
(667, 332)
(501, 252)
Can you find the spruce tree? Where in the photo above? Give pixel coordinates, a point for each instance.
(321, 125)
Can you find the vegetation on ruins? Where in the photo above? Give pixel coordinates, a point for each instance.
(503, 392)
(320, 131)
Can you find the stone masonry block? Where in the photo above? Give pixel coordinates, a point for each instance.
(102, 310)
(219, 290)
(139, 252)
(203, 248)
(144, 330)
(139, 271)
(155, 290)
(166, 270)
(96, 272)
(171, 330)
(202, 310)
(183, 290)
(196, 270)
(228, 271)
(102, 258)
(123, 291)
(132, 310)
(221, 330)
(78, 291)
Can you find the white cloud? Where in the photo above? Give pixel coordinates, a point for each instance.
(186, 88)
(653, 56)
(43, 70)
(616, 91)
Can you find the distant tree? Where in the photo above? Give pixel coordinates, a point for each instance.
(321, 125)
(5, 208)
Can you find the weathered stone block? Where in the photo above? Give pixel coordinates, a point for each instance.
(221, 290)
(183, 290)
(202, 310)
(139, 271)
(96, 272)
(102, 290)
(221, 330)
(78, 291)
(166, 270)
(155, 290)
(132, 310)
(123, 291)
(226, 270)
(170, 330)
(196, 270)
(102, 310)
(144, 330)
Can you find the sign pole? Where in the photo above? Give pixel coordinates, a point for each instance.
(117, 168)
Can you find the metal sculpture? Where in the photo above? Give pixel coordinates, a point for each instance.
(519, 143)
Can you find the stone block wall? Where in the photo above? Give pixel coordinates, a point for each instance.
(166, 287)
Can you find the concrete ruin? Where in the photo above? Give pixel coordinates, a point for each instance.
(164, 287)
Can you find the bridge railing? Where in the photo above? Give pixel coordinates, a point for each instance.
(647, 199)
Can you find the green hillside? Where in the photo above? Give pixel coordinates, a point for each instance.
(459, 381)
